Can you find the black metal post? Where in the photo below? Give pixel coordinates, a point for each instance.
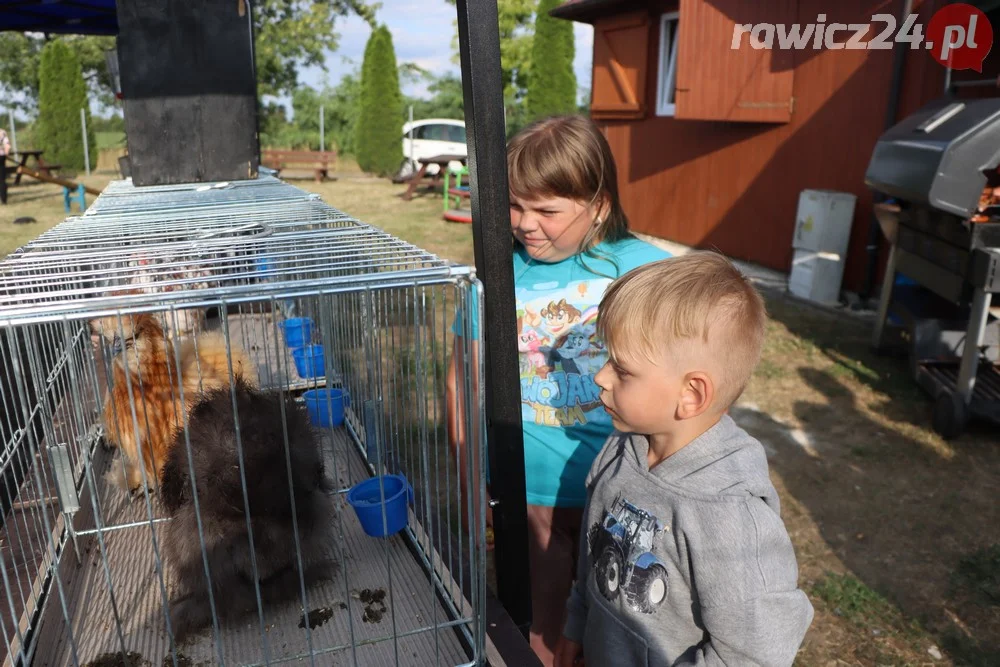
(479, 48)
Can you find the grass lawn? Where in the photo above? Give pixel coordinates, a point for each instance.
(44, 203)
(109, 140)
(895, 529)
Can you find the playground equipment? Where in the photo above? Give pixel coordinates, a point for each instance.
(454, 212)
(72, 191)
(70, 195)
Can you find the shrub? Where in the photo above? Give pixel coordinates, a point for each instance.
(62, 93)
(378, 136)
(552, 84)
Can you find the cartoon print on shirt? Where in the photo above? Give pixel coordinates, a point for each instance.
(529, 344)
(573, 350)
(560, 353)
(621, 554)
(560, 317)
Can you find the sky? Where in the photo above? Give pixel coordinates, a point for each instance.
(422, 33)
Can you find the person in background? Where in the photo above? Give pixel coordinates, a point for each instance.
(4, 152)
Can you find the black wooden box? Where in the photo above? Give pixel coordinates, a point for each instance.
(189, 89)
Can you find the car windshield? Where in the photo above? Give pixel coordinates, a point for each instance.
(439, 132)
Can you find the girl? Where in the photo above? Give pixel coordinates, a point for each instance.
(571, 240)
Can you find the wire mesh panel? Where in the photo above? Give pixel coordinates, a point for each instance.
(225, 443)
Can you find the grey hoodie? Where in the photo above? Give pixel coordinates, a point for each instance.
(687, 564)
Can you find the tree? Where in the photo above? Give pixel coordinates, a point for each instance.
(586, 96)
(552, 86)
(62, 93)
(20, 56)
(380, 116)
(447, 101)
(289, 35)
(448, 98)
(516, 38)
(341, 112)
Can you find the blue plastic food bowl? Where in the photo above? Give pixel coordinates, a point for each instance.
(366, 499)
(309, 361)
(298, 331)
(326, 406)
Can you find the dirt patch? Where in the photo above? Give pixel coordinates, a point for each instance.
(894, 528)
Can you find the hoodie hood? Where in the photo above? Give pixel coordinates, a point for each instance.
(723, 461)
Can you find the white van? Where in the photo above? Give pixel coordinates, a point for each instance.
(431, 137)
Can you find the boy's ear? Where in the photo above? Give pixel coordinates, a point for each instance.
(697, 395)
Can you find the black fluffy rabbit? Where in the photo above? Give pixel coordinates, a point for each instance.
(221, 506)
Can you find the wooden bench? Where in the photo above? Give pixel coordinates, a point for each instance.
(319, 161)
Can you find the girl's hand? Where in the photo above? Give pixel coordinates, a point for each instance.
(569, 654)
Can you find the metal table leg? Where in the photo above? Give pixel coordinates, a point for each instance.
(885, 298)
(974, 335)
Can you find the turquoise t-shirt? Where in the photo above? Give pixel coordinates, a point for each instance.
(565, 424)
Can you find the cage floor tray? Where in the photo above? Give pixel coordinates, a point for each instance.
(413, 630)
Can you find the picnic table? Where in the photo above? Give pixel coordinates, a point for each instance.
(41, 165)
(421, 178)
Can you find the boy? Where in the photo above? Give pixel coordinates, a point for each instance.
(685, 559)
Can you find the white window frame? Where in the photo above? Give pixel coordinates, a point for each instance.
(666, 74)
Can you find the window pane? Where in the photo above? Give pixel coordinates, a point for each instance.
(666, 72)
(672, 70)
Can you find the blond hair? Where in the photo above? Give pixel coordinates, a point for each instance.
(568, 156)
(699, 297)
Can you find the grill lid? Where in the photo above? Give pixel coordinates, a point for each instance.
(938, 156)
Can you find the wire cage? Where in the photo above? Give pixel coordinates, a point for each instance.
(132, 324)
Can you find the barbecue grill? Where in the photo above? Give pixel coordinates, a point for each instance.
(939, 170)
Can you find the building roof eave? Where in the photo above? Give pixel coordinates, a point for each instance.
(587, 11)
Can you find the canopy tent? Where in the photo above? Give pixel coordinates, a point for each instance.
(83, 17)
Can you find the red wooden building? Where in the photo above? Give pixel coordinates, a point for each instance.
(714, 144)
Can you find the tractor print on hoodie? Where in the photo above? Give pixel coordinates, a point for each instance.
(621, 554)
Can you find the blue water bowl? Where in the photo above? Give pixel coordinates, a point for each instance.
(366, 499)
(309, 361)
(298, 331)
(326, 406)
